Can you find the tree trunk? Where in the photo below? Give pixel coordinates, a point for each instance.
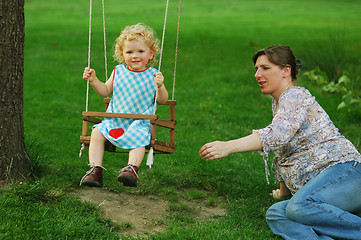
(14, 162)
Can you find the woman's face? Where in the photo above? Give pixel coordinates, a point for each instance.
(272, 78)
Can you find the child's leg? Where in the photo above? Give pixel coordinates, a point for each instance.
(136, 156)
(96, 148)
(129, 174)
(94, 177)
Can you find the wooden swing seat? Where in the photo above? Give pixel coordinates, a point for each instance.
(158, 146)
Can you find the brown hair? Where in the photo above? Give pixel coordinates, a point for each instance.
(282, 56)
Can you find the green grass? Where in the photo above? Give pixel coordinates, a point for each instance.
(217, 99)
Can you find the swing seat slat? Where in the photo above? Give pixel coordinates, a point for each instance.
(161, 146)
(120, 115)
(164, 123)
(92, 120)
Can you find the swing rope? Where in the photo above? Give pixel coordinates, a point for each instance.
(163, 35)
(161, 51)
(105, 45)
(89, 50)
(176, 49)
(150, 157)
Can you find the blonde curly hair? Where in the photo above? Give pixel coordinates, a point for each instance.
(135, 32)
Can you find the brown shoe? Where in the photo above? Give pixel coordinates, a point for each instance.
(129, 176)
(93, 177)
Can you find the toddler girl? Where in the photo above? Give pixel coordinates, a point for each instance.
(133, 84)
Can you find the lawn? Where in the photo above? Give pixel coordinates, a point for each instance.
(217, 99)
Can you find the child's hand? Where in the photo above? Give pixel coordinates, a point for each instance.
(89, 74)
(158, 79)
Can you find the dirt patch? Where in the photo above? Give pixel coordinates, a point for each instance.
(142, 214)
(2, 185)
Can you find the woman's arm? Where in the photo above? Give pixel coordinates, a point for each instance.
(221, 149)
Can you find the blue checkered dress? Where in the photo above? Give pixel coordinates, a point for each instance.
(133, 92)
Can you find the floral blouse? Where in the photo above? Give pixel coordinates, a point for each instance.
(303, 138)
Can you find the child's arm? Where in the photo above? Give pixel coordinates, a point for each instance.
(162, 95)
(103, 89)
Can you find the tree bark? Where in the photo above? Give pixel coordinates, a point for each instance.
(14, 162)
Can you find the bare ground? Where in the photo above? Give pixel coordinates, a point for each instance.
(140, 215)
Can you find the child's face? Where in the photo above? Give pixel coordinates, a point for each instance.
(136, 54)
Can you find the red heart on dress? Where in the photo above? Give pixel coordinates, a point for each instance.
(116, 133)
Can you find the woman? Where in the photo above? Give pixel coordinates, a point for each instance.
(314, 163)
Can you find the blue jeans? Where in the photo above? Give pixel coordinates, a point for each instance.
(322, 208)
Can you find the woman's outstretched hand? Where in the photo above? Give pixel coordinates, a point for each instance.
(214, 150)
(221, 149)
